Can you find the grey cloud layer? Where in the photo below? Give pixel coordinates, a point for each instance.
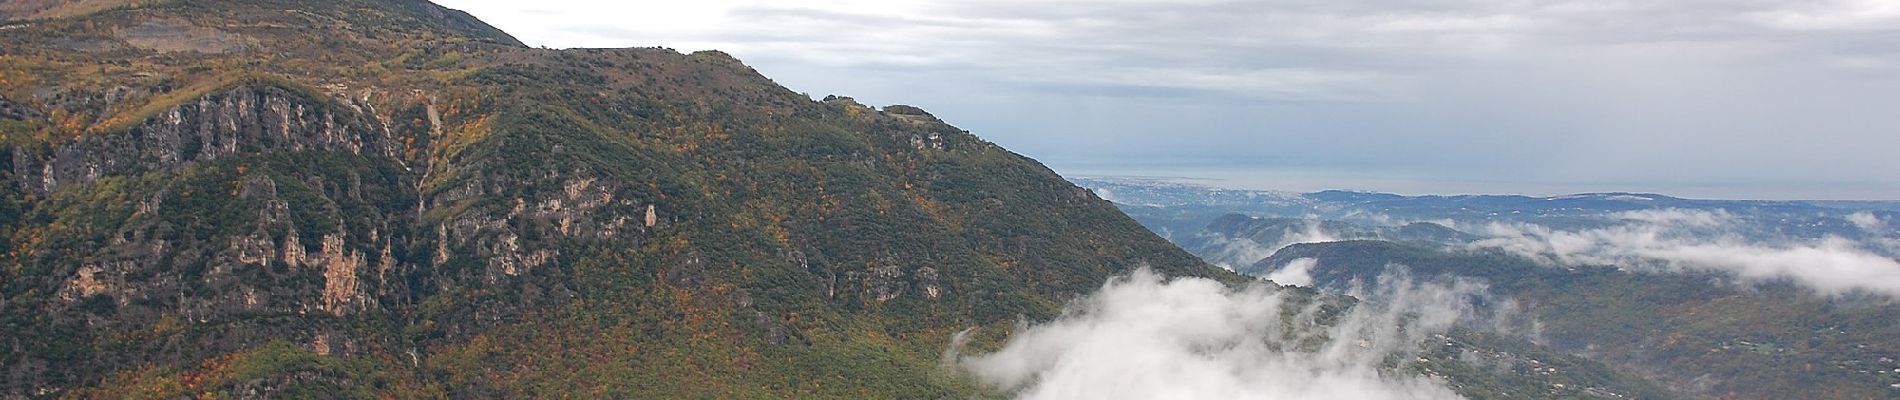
(1733, 99)
(1320, 50)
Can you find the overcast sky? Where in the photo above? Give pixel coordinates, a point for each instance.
(1727, 99)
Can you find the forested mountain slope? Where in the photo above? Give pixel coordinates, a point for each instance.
(281, 197)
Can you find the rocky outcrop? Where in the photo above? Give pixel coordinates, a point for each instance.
(241, 120)
(586, 209)
(891, 281)
(340, 268)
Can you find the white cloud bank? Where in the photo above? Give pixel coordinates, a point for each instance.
(1680, 240)
(1146, 337)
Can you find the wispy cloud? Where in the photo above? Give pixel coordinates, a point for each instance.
(1833, 15)
(1681, 240)
(1868, 221)
(1298, 272)
(1235, 252)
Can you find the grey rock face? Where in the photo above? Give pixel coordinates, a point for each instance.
(244, 120)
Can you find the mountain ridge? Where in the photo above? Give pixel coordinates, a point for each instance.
(204, 198)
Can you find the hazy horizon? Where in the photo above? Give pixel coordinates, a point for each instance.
(1309, 181)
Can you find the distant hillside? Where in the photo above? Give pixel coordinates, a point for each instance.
(1700, 333)
(35, 9)
(1240, 241)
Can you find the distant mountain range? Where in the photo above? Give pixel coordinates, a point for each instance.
(1337, 204)
(1178, 208)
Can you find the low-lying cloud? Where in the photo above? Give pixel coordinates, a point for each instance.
(1682, 240)
(1147, 337)
(1867, 221)
(1298, 272)
(1231, 252)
